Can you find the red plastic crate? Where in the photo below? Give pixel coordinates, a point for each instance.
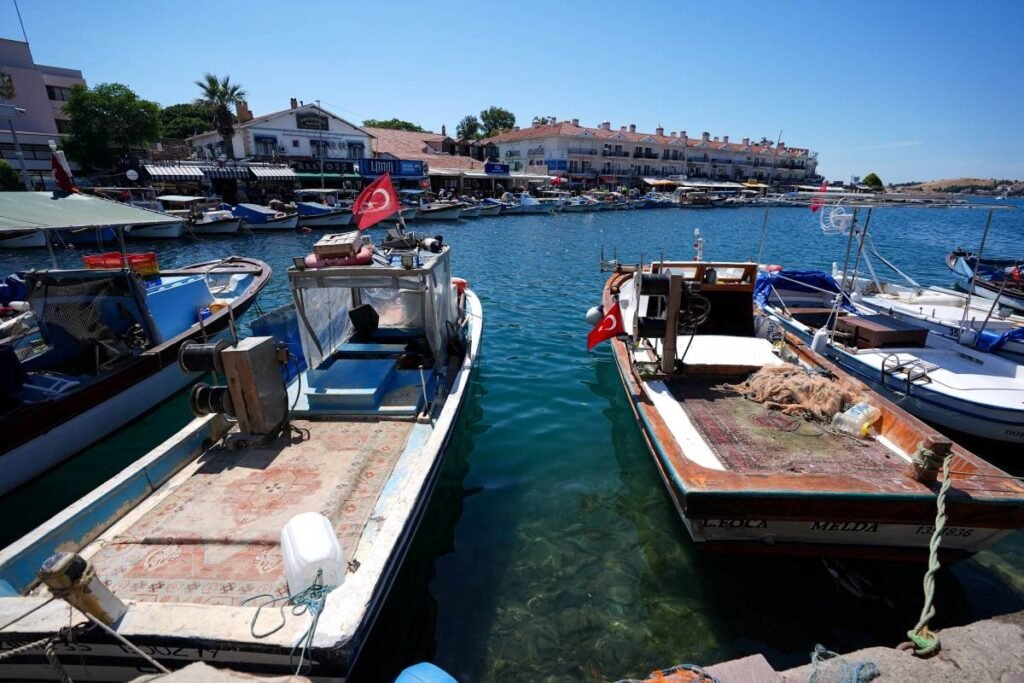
(144, 264)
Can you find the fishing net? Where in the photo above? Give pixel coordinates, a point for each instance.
(795, 391)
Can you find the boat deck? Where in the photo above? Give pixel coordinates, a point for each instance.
(748, 438)
(212, 535)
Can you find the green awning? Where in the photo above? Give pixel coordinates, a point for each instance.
(328, 176)
(24, 211)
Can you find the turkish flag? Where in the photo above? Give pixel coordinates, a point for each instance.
(375, 203)
(819, 201)
(62, 172)
(611, 325)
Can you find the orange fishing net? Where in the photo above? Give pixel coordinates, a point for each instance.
(795, 391)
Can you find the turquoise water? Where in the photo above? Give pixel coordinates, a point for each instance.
(550, 550)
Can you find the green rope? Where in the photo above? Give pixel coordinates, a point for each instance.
(310, 600)
(926, 643)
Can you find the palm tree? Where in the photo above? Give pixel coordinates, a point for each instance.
(220, 95)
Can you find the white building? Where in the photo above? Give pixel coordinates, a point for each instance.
(623, 156)
(41, 91)
(303, 132)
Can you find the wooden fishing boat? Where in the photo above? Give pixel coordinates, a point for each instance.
(380, 362)
(104, 351)
(748, 479)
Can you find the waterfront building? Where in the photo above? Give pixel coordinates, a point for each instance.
(603, 155)
(306, 137)
(41, 91)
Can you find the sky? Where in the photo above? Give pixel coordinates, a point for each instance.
(910, 90)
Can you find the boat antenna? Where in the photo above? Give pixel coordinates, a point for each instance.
(767, 204)
(974, 274)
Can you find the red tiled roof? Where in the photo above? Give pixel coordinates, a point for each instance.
(566, 129)
(404, 144)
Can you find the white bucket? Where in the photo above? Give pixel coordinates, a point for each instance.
(308, 545)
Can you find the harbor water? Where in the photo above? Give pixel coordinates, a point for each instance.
(551, 551)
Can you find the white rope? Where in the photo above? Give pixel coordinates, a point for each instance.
(21, 649)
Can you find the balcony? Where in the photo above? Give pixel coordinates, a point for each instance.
(615, 153)
(535, 151)
(588, 151)
(512, 153)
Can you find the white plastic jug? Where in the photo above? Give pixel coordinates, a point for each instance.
(308, 545)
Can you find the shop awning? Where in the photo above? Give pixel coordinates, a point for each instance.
(226, 172)
(274, 173)
(306, 175)
(172, 172)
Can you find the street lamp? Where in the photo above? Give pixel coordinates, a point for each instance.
(10, 112)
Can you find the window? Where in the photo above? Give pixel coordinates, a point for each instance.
(355, 150)
(295, 143)
(57, 93)
(266, 145)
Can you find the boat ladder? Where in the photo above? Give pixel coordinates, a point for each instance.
(913, 369)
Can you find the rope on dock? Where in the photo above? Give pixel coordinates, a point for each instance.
(857, 672)
(925, 642)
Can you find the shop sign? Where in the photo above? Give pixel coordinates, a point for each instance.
(310, 121)
(402, 168)
(313, 166)
(496, 169)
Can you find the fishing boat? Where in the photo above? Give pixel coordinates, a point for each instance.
(323, 208)
(431, 210)
(104, 348)
(258, 217)
(352, 445)
(470, 211)
(529, 204)
(489, 209)
(746, 478)
(943, 380)
(579, 205)
(23, 240)
(991, 278)
(506, 205)
(161, 231)
(200, 214)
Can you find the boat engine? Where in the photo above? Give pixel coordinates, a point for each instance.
(255, 394)
(694, 307)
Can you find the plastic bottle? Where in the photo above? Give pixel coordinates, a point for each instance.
(856, 419)
(308, 545)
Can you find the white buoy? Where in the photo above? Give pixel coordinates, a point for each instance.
(820, 340)
(595, 314)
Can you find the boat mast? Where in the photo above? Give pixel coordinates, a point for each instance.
(767, 204)
(974, 274)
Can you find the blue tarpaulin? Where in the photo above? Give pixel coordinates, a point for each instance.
(992, 341)
(795, 281)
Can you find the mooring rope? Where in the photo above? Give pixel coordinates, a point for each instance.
(926, 643)
(310, 600)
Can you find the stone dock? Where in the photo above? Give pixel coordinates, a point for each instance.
(987, 650)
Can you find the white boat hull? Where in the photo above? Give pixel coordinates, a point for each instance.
(29, 240)
(226, 227)
(470, 212)
(152, 232)
(448, 214)
(536, 208)
(490, 210)
(577, 208)
(286, 223)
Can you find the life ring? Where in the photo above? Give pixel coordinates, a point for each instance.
(460, 284)
(774, 268)
(364, 256)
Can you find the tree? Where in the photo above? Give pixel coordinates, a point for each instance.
(184, 120)
(873, 181)
(468, 128)
(542, 120)
(220, 95)
(496, 120)
(9, 179)
(393, 124)
(106, 120)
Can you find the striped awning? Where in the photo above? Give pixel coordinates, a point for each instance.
(172, 172)
(226, 172)
(272, 173)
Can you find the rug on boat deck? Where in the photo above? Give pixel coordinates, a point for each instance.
(215, 539)
(747, 437)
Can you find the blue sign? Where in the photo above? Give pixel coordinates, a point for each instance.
(496, 169)
(556, 164)
(402, 168)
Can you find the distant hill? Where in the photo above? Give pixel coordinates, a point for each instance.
(966, 185)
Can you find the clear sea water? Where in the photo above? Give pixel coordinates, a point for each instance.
(550, 551)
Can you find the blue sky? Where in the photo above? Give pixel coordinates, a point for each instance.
(911, 90)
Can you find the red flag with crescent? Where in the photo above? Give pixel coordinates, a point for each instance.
(819, 201)
(375, 203)
(611, 325)
(62, 172)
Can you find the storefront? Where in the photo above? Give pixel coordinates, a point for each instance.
(332, 173)
(405, 173)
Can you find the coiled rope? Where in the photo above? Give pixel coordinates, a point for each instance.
(310, 600)
(926, 642)
(858, 672)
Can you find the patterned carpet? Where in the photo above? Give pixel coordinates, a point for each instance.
(215, 539)
(749, 438)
